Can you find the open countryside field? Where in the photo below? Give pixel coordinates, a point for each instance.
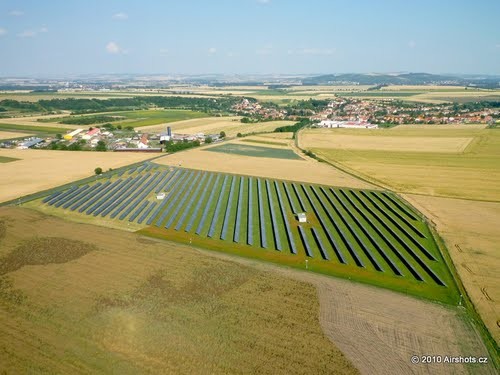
(213, 125)
(470, 224)
(43, 169)
(364, 235)
(306, 171)
(154, 117)
(470, 230)
(472, 174)
(240, 148)
(12, 135)
(385, 143)
(148, 307)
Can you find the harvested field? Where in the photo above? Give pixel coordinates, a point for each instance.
(40, 169)
(472, 174)
(470, 230)
(214, 125)
(132, 304)
(11, 135)
(305, 171)
(325, 139)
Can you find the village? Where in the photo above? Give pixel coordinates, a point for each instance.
(353, 112)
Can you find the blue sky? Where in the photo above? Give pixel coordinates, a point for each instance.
(50, 38)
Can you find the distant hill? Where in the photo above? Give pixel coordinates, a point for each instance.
(402, 79)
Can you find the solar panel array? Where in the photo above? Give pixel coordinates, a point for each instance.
(366, 229)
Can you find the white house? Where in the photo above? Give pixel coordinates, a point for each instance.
(302, 217)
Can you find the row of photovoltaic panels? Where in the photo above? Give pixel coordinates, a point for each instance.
(365, 228)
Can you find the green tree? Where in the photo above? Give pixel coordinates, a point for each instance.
(58, 136)
(239, 135)
(101, 146)
(223, 134)
(208, 140)
(98, 171)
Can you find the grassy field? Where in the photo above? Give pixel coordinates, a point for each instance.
(362, 235)
(473, 173)
(154, 117)
(110, 301)
(32, 129)
(5, 159)
(255, 151)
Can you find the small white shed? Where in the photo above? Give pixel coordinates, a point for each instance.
(302, 217)
(160, 196)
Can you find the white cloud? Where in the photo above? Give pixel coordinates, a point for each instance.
(412, 44)
(212, 50)
(264, 1)
(114, 48)
(27, 34)
(2, 31)
(16, 13)
(120, 16)
(43, 29)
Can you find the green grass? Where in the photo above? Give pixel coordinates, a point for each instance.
(255, 151)
(263, 142)
(155, 117)
(347, 220)
(36, 129)
(6, 159)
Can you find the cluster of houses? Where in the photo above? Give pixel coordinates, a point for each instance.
(390, 111)
(254, 109)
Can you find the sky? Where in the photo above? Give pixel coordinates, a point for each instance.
(73, 37)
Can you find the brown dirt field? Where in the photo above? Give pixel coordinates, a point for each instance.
(294, 170)
(128, 304)
(10, 135)
(42, 169)
(385, 143)
(470, 230)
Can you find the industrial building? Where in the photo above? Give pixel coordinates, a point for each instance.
(70, 135)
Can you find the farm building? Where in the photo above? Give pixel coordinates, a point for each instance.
(143, 143)
(70, 135)
(30, 143)
(91, 133)
(302, 217)
(347, 124)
